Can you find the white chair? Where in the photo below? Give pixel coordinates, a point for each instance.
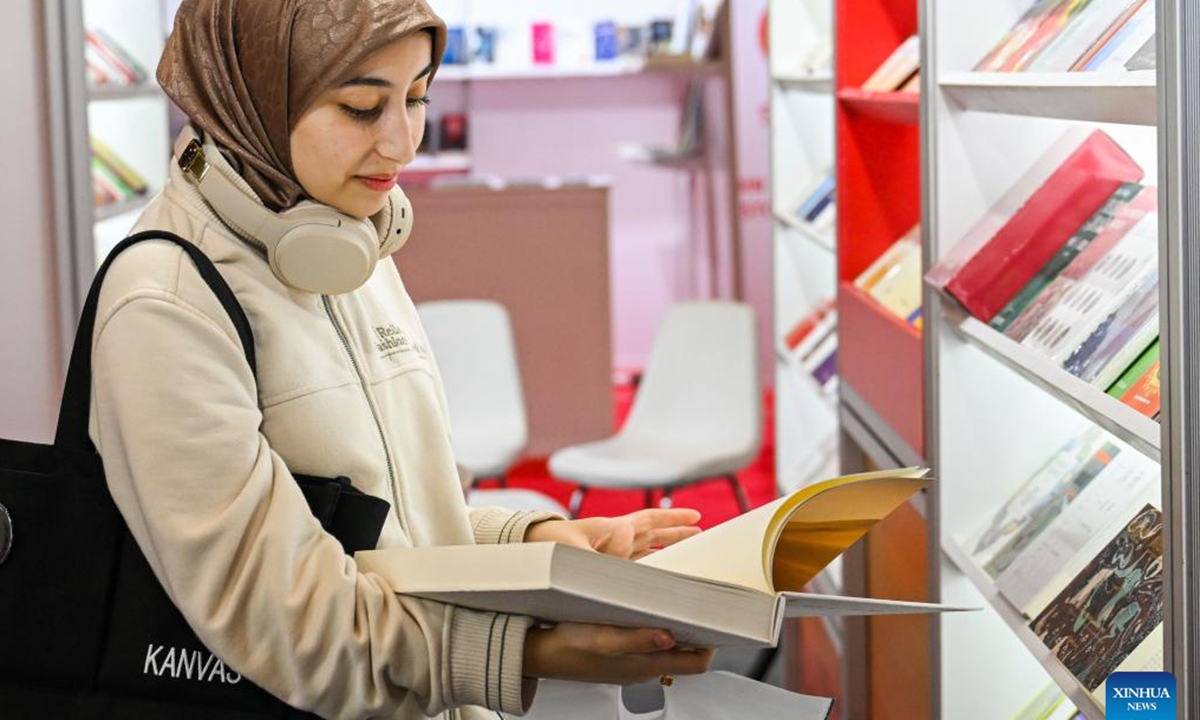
(477, 358)
(697, 414)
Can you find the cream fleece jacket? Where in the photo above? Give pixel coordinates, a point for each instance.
(200, 465)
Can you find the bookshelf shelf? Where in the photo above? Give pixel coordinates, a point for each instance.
(102, 93)
(805, 82)
(824, 241)
(1128, 98)
(112, 210)
(1020, 628)
(895, 107)
(687, 67)
(1109, 413)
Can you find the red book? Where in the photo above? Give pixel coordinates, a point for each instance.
(1145, 395)
(1042, 225)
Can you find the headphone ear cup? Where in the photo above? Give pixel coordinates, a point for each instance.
(322, 258)
(402, 221)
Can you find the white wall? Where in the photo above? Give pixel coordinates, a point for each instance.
(29, 357)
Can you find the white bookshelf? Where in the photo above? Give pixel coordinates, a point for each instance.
(997, 411)
(802, 116)
(131, 119)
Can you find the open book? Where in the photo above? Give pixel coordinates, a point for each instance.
(730, 585)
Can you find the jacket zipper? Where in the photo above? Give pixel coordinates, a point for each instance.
(362, 379)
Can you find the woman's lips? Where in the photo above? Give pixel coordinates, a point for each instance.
(378, 183)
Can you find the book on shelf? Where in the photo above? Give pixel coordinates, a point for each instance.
(913, 85)
(1146, 56)
(1067, 526)
(1089, 20)
(1125, 216)
(825, 314)
(1027, 228)
(894, 279)
(108, 63)
(730, 585)
(113, 181)
(1145, 394)
(1034, 31)
(1126, 275)
(1135, 372)
(1113, 50)
(1112, 607)
(1120, 338)
(1075, 244)
(998, 540)
(897, 69)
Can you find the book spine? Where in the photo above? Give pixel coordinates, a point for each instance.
(1145, 396)
(1074, 246)
(122, 170)
(1135, 372)
(1039, 229)
(111, 59)
(139, 72)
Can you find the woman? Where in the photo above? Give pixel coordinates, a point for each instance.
(303, 113)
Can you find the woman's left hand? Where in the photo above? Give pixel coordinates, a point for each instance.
(630, 536)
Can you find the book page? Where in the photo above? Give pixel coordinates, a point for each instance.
(740, 551)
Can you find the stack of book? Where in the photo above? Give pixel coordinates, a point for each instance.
(1082, 537)
(894, 280)
(1072, 274)
(113, 180)
(108, 63)
(1077, 35)
(900, 72)
(811, 345)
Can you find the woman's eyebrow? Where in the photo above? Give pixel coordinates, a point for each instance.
(367, 81)
(428, 69)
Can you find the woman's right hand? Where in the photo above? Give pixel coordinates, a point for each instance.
(603, 654)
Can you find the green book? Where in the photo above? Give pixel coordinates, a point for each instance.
(112, 178)
(1074, 245)
(1139, 368)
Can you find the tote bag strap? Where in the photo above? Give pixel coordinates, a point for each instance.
(72, 433)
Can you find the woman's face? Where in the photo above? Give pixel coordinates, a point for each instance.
(351, 143)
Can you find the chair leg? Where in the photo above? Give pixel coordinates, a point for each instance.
(576, 501)
(739, 493)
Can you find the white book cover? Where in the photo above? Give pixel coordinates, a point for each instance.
(1126, 42)
(1080, 531)
(1097, 294)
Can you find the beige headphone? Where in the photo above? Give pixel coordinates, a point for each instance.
(310, 247)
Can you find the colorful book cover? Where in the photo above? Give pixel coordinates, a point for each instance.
(130, 62)
(1105, 613)
(1123, 39)
(897, 68)
(894, 280)
(1049, 27)
(1004, 525)
(1146, 395)
(543, 43)
(1041, 226)
(1076, 39)
(1119, 338)
(1098, 294)
(1048, 506)
(1017, 36)
(118, 166)
(1128, 216)
(1135, 372)
(1076, 244)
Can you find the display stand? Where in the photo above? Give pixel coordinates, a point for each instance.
(995, 410)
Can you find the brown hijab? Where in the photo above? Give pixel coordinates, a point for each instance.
(244, 71)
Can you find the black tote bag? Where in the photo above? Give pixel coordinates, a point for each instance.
(86, 630)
